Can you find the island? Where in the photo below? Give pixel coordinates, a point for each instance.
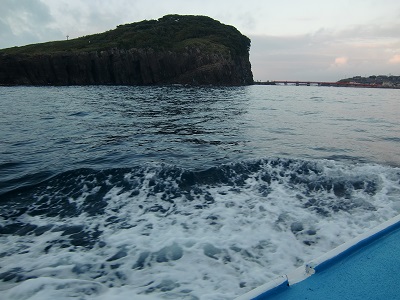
(390, 81)
(175, 49)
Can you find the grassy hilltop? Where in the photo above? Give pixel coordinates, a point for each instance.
(171, 32)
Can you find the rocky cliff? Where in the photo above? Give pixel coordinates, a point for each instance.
(174, 49)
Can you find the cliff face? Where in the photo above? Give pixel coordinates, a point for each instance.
(174, 49)
(126, 67)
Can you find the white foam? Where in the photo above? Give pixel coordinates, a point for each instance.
(47, 288)
(245, 237)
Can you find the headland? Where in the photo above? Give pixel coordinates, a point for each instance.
(174, 49)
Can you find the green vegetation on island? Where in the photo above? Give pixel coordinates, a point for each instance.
(171, 32)
(378, 80)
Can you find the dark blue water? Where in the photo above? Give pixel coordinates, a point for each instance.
(182, 192)
(47, 130)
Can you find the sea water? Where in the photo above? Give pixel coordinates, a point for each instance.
(174, 192)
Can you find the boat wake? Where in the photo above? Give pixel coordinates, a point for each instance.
(160, 231)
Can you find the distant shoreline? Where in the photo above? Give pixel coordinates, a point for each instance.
(324, 83)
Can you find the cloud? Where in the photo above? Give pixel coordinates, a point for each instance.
(325, 55)
(340, 61)
(25, 21)
(395, 59)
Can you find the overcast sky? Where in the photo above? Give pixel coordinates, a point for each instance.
(291, 39)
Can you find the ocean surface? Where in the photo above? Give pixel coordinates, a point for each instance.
(174, 192)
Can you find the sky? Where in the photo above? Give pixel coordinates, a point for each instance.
(314, 40)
